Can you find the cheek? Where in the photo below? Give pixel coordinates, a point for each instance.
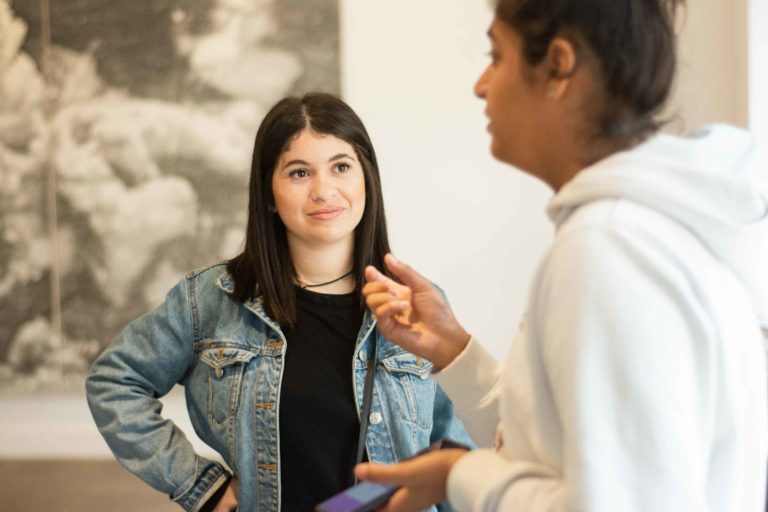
(288, 207)
(499, 103)
(354, 192)
(361, 201)
(356, 199)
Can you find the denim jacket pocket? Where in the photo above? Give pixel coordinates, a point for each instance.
(414, 390)
(227, 365)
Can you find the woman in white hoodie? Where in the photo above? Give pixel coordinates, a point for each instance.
(637, 381)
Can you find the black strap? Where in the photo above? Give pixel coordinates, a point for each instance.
(366, 410)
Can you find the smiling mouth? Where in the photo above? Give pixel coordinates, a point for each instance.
(326, 213)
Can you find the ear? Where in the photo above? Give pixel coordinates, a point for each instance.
(560, 63)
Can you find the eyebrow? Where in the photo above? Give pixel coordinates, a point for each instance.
(490, 34)
(338, 156)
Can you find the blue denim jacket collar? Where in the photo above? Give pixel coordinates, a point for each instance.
(227, 284)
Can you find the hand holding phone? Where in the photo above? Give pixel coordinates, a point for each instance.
(368, 496)
(361, 497)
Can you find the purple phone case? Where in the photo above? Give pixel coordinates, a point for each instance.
(361, 497)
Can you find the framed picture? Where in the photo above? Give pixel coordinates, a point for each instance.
(126, 131)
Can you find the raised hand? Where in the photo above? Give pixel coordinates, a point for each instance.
(415, 315)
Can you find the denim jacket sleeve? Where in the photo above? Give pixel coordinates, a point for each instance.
(143, 363)
(446, 424)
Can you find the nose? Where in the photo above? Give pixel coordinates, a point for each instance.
(322, 189)
(481, 85)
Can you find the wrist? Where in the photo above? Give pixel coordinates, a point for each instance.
(453, 345)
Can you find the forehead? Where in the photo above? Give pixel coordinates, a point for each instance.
(309, 143)
(502, 33)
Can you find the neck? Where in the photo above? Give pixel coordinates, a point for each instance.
(322, 263)
(577, 155)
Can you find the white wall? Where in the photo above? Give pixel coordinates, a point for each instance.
(757, 76)
(712, 71)
(474, 226)
(60, 426)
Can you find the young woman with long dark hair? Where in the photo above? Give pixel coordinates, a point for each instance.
(286, 374)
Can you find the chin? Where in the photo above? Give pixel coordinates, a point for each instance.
(497, 151)
(508, 155)
(331, 236)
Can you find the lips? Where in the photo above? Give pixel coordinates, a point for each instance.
(326, 213)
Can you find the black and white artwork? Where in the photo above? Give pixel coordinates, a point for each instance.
(126, 128)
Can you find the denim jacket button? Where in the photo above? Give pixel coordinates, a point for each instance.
(375, 418)
(219, 372)
(362, 355)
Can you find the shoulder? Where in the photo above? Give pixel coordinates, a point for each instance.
(615, 234)
(211, 270)
(206, 288)
(612, 256)
(612, 252)
(214, 275)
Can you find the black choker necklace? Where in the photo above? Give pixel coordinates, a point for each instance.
(302, 284)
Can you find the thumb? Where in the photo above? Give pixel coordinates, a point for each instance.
(407, 275)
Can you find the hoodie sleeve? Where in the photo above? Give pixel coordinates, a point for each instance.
(621, 355)
(472, 381)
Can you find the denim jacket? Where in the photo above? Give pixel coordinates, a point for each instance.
(230, 357)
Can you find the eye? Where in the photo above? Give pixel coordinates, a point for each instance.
(342, 167)
(298, 173)
(494, 55)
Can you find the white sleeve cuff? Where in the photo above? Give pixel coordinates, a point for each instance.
(473, 483)
(483, 480)
(472, 379)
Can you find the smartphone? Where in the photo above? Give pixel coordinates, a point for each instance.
(362, 497)
(367, 496)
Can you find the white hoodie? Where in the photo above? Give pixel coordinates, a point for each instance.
(638, 380)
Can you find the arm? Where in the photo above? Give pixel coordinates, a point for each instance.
(619, 349)
(144, 362)
(473, 383)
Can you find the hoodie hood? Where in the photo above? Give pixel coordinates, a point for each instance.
(712, 182)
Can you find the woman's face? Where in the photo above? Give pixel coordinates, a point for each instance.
(513, 99)
(319, 189)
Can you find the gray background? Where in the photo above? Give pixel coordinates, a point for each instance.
(125, 136)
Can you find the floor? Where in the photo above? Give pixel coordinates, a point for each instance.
(76, 486)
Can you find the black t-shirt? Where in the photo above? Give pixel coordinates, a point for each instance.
(319, 427)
